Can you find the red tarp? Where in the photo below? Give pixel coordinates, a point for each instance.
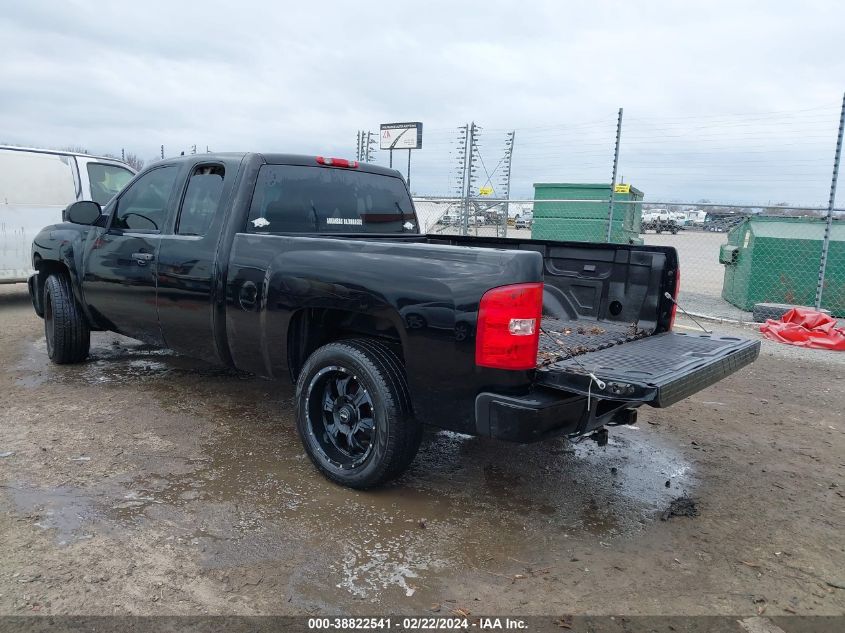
(806, 328)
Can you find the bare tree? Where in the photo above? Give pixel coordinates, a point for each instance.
(134, 162)
(76, 149)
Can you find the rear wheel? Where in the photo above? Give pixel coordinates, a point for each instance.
(354, 414)
(65, 328)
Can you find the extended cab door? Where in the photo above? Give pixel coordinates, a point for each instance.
(187, 263)
(119, 281)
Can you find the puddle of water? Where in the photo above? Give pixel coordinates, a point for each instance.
(114, 360)
(253, 497)
(68, 511)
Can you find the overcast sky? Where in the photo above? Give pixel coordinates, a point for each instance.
(733, 101)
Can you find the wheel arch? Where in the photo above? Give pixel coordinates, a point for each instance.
(311, 328)
(44, 268)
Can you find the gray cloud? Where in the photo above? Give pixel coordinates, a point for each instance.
(724, 100)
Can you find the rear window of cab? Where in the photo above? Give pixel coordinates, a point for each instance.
(304, 199)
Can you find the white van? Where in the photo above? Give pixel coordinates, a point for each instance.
(35, 187)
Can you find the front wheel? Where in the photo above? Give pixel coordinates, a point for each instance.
(65, 328)
(353, 413)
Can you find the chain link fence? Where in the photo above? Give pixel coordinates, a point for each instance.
(732, 258)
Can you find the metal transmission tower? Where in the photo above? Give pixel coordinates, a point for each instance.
(369, 147)
(362, 142)
(505, 184)
(365, 146)
(473, 157)
(461, 160)
(461, 171)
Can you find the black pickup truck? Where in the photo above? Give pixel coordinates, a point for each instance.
(315, 268)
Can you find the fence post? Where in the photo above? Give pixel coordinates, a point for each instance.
(613, 179)
(830, 204)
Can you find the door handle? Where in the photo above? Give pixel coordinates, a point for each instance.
(142, 258)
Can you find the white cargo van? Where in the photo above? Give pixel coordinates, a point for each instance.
(35, 187)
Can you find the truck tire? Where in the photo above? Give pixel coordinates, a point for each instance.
(65, 328)
(353, 413)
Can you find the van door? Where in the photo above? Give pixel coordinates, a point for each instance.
(34, 189)
(119, 282)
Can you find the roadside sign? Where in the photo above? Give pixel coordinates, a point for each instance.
(401, 135)
(622, 189)
(486, 191)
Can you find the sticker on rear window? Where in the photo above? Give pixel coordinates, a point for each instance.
(355, 221)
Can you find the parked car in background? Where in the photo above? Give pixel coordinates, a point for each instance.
(523, 222)
(659, 220)
(35, 187)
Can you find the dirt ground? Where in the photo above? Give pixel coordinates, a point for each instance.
(142, 482)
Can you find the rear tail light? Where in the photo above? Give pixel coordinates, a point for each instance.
(675, 297)
(337, 162)
(509, 327)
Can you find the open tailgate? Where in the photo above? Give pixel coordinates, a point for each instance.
(658, 370)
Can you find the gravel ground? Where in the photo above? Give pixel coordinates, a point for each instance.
(143, 482)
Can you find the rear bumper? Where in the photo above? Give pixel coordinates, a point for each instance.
(546, 413)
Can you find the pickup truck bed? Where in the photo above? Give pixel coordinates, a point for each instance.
(562, 339)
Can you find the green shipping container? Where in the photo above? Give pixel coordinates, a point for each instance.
(585, 221)
(776, 260)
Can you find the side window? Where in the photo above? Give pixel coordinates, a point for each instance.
(202, 200)
(144, 205)
(106, 181)
(278, 205)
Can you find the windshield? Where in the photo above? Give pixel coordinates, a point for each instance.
(301, 199)
(106, 181)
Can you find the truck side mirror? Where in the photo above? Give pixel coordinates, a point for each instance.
(83, 212)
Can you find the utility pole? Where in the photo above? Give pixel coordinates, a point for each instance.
(461, 155)
(162, 152)
(123, 154)
(613, 178)
(371, 144)
(829, 222)
(472, 153)
(468, 176)
(507, 178)
(358, 147)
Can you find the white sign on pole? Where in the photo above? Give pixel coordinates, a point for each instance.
(401, 135)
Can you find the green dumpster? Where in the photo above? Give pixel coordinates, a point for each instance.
(776, 260)
(585, 221)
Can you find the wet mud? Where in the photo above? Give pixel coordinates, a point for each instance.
(183, 488)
